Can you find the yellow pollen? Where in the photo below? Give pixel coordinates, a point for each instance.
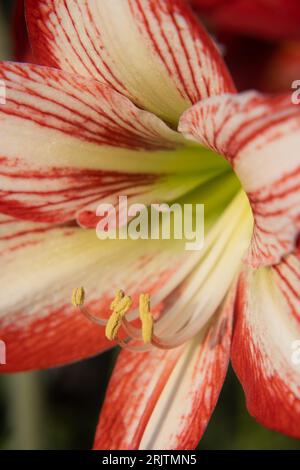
(78, 297)
(119, 306)
(146, 318)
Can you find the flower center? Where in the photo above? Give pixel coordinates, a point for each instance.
(185, 303)
(196, 290)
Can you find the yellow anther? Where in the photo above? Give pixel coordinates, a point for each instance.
(146, 318)
(78, 297)
(119, 306)
(118, 297)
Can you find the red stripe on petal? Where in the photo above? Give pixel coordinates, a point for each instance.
(57, 195)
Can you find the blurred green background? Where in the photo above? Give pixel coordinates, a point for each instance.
(59, 408)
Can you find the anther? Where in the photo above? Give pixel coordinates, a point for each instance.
(78, 296)
(146, 318)
(119, 306)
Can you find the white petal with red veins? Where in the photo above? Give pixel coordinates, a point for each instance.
(260, 137)
(263, 353)
(153, 51)
(68, 143)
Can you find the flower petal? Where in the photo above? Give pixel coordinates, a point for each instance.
(164, 399)
(153, 51)
(68, 143)
(260, 137)
(266, 338)
(37, 322)
(39, 268)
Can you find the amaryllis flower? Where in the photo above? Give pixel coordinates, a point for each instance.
(134, 99)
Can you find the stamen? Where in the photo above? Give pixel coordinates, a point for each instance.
(78, 295)
(119, 306)
(146, 318)
(98, 321)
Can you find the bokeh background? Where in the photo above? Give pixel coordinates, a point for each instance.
(59, 408)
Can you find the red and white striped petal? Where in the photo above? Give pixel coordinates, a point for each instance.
(15, 233)
(39, 269)
(37, 322)
(67, 143)
(153, 51)
(260, 137)
(266, 345)
(164, 399)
